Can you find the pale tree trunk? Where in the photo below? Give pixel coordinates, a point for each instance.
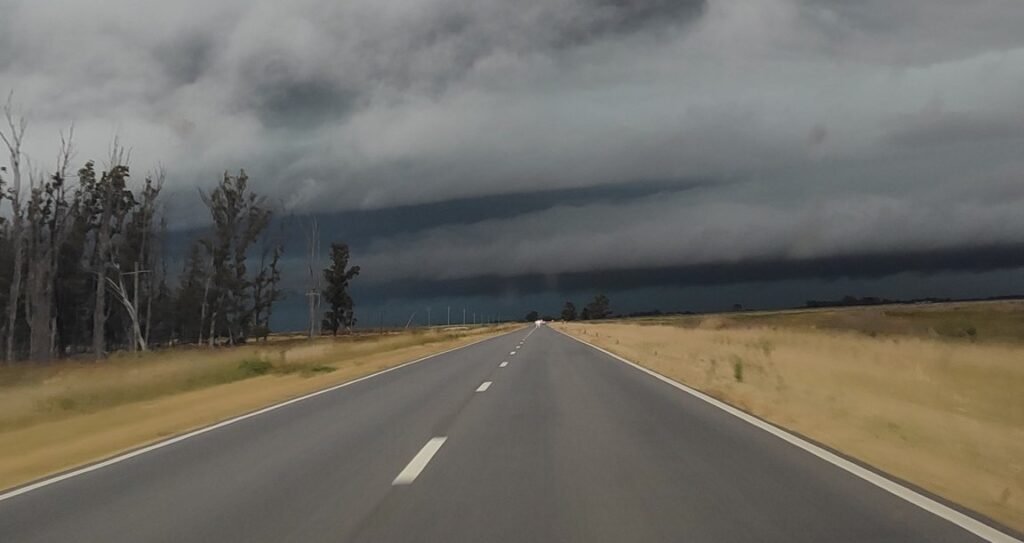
(136, 330)
(138, 341)
(213, 320)
(16, 127)
(135, 305)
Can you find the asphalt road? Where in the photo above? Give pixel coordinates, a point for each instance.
(565, 444)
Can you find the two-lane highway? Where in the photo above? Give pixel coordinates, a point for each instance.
(530, 436)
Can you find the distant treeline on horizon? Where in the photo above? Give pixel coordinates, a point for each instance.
(847, 301)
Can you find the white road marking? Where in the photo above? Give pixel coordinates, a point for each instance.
(503, 364)
(513, 353)
(966, 522)
(150, 448)
(483, 386)
(418, 462)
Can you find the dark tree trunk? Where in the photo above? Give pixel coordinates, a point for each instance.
(99, 312)
(40, 317)
(15, 291)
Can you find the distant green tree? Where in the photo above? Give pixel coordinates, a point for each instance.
(338, 277)
(569, 312)
(598, 308)
(585, 314)
(532, 316)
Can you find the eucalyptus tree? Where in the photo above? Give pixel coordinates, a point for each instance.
(239, 218)
(338, 277)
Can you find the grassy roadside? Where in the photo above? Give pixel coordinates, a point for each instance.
(944, 411)
(60, 416)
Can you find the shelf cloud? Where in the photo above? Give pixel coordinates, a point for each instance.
(596, 135)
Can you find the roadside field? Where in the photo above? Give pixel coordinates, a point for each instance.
(63, 415)
(930, 394)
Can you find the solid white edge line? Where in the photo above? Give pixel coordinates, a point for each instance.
(966, 522)
(171, 441)
(483, 386)
(418, 462)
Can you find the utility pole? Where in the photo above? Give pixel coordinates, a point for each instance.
(449, 315)
(428, 316)
(135, 292)
(463, 315)
(314, 302)
(313, 263)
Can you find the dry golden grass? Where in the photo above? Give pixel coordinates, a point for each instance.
(1000, 321)
(945, 415)
(60, 416)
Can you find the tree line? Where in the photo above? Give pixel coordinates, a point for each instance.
(598, 308)
(83, 267)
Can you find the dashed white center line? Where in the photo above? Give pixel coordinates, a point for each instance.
(513, 353)
(483, 386)
(418, 462)
(503, 364)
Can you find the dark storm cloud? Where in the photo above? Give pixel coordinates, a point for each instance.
(362, 227)
(281, 101)
(454, 139)
(870, 266)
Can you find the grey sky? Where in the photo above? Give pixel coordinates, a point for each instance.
(811, 128)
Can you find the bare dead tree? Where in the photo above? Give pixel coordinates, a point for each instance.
(13, 137)
(50, 220)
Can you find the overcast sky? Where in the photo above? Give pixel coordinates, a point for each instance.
(503, 138)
